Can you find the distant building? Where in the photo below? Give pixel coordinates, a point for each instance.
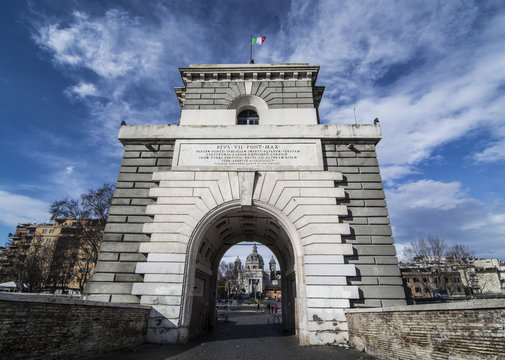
(453, 278)
(484, 276)
(253, 278)
(3, 260)
(62, 259)
(422, 283)
(273, 290)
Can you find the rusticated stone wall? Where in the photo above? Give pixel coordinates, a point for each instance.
(44, 327)
(377, 276)
(277, 94)
(463, 330)
(119, 254)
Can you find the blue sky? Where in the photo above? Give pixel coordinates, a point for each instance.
(432, 72)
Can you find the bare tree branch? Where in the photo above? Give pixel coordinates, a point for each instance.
(89, 216)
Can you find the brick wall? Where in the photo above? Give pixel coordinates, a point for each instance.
(378, 275)
(43, 327)
(463, 330)
(115, 270)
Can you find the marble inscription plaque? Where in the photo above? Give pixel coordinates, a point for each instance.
(248, 154)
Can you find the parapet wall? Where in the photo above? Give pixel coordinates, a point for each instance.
(463, 330)
(44, 327)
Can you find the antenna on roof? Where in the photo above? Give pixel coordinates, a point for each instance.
(355, 122)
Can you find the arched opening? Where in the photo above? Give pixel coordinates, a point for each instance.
(249, 295)
(213, 237)
(248, 271)
(249, 109)
(248, 117)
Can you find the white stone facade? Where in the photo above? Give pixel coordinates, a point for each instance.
(186, 193)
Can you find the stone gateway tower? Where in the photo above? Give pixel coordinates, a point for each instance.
(249, 161)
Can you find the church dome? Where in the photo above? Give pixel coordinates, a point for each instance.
(254, 257)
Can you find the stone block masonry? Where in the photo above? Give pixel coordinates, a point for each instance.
(115, 273)
(338, 214)
(218, 95)
(217, 88)
(370, 233)
(45, 327)
(462, 330)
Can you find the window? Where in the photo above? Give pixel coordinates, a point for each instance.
(248, 117)
(44, 231)
(51, 231)
(418, 289)
(48, 241)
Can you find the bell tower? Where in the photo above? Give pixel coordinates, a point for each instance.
(273, 265)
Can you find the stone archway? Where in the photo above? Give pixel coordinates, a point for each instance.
(320, 183)
(224, 227)
(189, 204)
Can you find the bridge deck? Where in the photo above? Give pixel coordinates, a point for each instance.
(246, 335)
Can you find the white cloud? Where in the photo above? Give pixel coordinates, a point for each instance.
(393, 172)
(418, 119)
(428, 207)
(82, 90)
(134, 61)
(15, 208)
(426, 194)
(432, 72)
(100, 44)
(432, 80)
(367, 37)
(400, 248)
(493, 153)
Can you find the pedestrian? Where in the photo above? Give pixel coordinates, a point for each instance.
(275, 308)
(268, 307)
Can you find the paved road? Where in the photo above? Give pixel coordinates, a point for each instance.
(246, 336)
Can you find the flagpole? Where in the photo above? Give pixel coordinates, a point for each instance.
(250, 53)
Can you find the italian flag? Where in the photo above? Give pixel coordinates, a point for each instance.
(258, 40)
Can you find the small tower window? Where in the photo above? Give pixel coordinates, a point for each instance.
(248, 117)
